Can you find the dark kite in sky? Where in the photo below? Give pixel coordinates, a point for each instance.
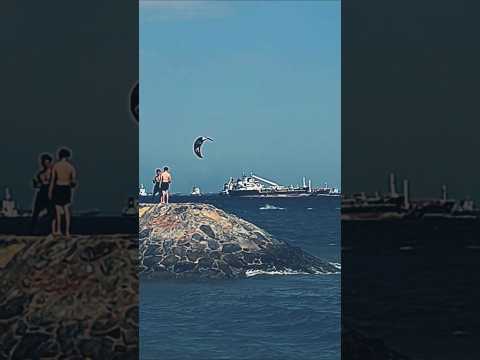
(197, 145)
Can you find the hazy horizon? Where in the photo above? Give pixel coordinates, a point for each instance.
(261, 79)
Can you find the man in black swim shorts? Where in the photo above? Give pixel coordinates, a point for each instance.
(166, 179)
(62, 195)
(60, 191)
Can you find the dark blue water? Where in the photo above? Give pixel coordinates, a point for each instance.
(262, 317)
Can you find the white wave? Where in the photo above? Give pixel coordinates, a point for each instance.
(406, 248)
(271, 207)
(337, 265)
(309, 208)
(250, 273)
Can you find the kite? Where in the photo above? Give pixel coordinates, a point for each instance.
(133, 103)
(197, 145)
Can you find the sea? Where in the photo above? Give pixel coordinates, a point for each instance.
(413, 285)
(262, 317)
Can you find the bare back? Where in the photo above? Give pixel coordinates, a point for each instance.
(64, 173)
(166, 177)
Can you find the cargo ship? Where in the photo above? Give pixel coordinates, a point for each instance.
(256, 186)
(394, 205)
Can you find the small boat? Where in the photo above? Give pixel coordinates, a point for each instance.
(142, 191)
(196, 191)
(132, 207)
(9, 207)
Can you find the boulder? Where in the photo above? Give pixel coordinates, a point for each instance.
(199, 240)
(74, 298)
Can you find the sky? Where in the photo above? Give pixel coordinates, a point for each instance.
(410, 97)
(260, 78)
(70, 87)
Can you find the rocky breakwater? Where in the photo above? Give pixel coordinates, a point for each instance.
(199, 240)
(71, 298)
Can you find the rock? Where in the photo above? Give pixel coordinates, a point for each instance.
(208, 230)
(102, 327)
(9, 250)
(169, 260)
(197, 237)
(132, 316)
(213, 245)
(96, 348)
(184, 266)
(68, 297)
(231, 248)
(179, 251)
(199, 240)
(13, 307)
(206, 263)
(234, 261)
(193, 256)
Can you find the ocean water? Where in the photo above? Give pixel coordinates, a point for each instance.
(259, 318)
(414, 285)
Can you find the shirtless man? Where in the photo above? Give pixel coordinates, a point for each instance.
(41, 182)
(60, 191)
(166, 179)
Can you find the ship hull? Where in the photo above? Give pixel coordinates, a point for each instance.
(257, 193)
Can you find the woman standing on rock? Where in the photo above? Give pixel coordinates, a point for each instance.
(156, 181)
(41, 183)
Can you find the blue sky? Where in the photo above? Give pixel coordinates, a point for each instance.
(261, 78)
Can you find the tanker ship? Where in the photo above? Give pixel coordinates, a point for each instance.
(256, 186)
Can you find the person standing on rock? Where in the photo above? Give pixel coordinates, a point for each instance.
(41, 182)
(166, 179)
(156, 181)
(60, 191)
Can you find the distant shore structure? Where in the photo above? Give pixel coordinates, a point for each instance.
(395, 205)
(11, 209)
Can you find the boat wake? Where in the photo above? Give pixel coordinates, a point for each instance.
(271, 207)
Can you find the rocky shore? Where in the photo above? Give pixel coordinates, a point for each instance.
(198, 240)
(69, 298)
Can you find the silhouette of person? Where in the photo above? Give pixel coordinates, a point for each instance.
(64, 179)
(41, 182)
